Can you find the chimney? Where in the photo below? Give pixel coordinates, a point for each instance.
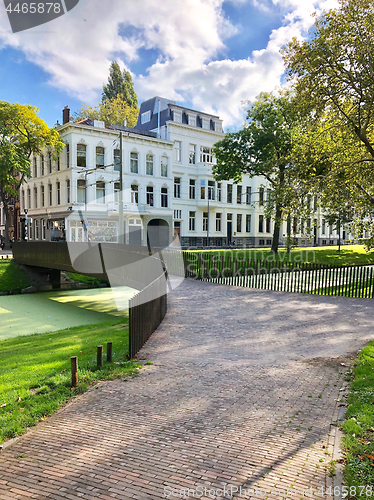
(65, 115)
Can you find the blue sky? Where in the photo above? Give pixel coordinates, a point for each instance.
(206, 54)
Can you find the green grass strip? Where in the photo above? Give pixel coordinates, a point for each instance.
(358, 441)
(35, 371)
(11, 276)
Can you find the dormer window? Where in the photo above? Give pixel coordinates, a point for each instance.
(146, 117)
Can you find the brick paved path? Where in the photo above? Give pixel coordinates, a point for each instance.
(242, 392)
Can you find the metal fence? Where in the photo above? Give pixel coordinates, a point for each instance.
(147, 309)
(313, 278)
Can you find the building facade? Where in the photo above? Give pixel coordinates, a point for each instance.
(169, 192)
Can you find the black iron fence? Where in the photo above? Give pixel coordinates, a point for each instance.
(147, 309)
(313, 278)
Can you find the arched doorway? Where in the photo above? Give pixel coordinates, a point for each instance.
(158, 233)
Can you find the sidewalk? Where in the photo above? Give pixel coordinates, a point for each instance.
(241, 394)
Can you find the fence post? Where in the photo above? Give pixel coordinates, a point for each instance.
(100, 356)
(74, 371)
(109, 348)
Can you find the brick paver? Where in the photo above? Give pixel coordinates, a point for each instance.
(242, 392)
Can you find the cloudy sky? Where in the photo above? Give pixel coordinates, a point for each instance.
(206, 54)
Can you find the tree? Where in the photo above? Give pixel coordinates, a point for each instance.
(113, 112)
(263, 148)
(120, 84)
(22, 133)
(333, 73)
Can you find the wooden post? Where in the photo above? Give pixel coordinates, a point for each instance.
(109, 347)
(100, 356)
(74, 371)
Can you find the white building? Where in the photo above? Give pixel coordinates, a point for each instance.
(168, 187)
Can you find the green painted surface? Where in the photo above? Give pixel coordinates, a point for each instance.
(51, 311)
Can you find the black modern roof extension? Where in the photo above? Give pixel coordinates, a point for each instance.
(152, 105)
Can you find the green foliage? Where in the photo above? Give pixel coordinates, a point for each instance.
(358, 428)
(333, 76)
(120, 84)
(22, 133)
(264, 148)
(35, 374)
(12, 277)
(113, 112)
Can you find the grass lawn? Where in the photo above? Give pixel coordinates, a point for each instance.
(348, 255)
(35, 371)
(11, 276)
(358, 443)
(81, 278)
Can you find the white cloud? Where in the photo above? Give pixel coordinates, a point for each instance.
(190, 35)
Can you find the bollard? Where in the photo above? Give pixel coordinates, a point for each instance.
(109, 348)
(74, 371)
(100, 356)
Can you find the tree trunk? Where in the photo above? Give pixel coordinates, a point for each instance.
(278, 222)
(6, 235)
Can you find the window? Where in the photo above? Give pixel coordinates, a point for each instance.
(205, 154)
(164, 197)
(178, 151)
(35, 197)
(42, 165)
(308, 225)
(35, 167)
(50, 162)
(36, 230)
(191, 221)
(67, 155)
(309, 202)
(42, 196)
(68, 191)
(81, 156)
(261, 224)
(248, 223)
(239, 218)
(323, 226)
(164, 166)
(268, 196)
(268, 225)
(205, 221)
(239, 195)
(202, 190)
(261, 196)
(58, 164)
(23, 200)
(43, 229)
(100, 192)
(219, 192)
(58, 193)
(116, 192)
(177, 187)
(134, 193)
(81, 189)
(218, 222)
(211, 190)
(149, 164)
(315, 204)
(100, 155)
(145, 117)
(134, 163)
(192, 189)
(229, 193)
(29, 198)
(248, 193)
(177, 214)
(150, 201)
(116, 160)
(50, 199)
(192, 154)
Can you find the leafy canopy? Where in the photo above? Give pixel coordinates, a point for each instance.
(264, 148)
